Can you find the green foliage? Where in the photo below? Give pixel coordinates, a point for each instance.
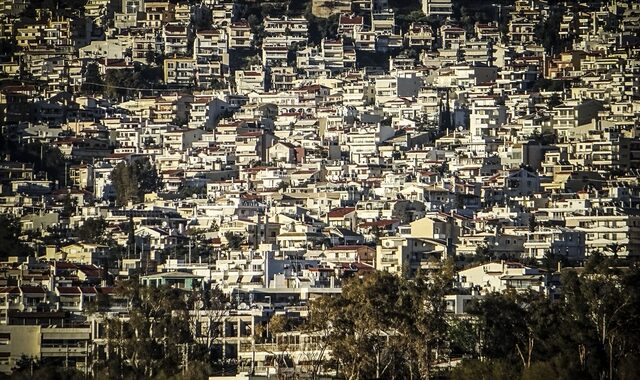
(554, 101)
(548, 85)
(45, 158)
(242, 59)
(134, 180)
(415, 16)
(383, 325)
(547, 32)
(462, 337)
(234, 240)
(504, 328)
(320, 28)
(93, 82)
(10, 244)
(154, 341)
(50, 369)
(8, 46)
(92, 231)
(373, 59)
(484, 370)
(545, 138)
(124, 83)
(188, 191)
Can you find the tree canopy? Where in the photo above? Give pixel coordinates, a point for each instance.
(383, 326)
(133, 180)
(10, 243)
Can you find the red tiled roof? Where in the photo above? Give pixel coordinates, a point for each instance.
(340, 212)
(350, 20)
(106, 290)
(88, 290)
(68, 290)
(32, 289)
(10, 290)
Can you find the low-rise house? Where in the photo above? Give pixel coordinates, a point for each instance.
(407, 256)
(419, 36)
(180, 71)
(178, 280)
(248, 81)
(85, 253)
(452, 36)
(344, 217)
(157, 14)
(348, 23)
(487, 31)
(521, 30)
(502, 276)
(22, 298)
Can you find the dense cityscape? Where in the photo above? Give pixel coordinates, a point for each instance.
(319, 189)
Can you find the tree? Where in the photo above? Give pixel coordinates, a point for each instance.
(10, 243)
(152, 341)
(383, 325)
(125, 183)
(425, 324)
(554, 101)
(234, 241)
(605, 302)
(318, 328)
(485, 370)
(68, 206)
(46, 369)
(122, 82)
(92, 230)
(210, 306)
(359, 321)
(615, 248)
(462, 337)
(134, 180)
(93, 82)
(45, 158)
(502, 326)
(280, 328)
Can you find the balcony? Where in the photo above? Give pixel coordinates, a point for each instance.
(62, 351)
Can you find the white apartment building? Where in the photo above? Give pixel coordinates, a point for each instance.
(442, 8)
(485, 118)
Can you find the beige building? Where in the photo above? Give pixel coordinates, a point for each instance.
(406, 256)
(39, 343)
